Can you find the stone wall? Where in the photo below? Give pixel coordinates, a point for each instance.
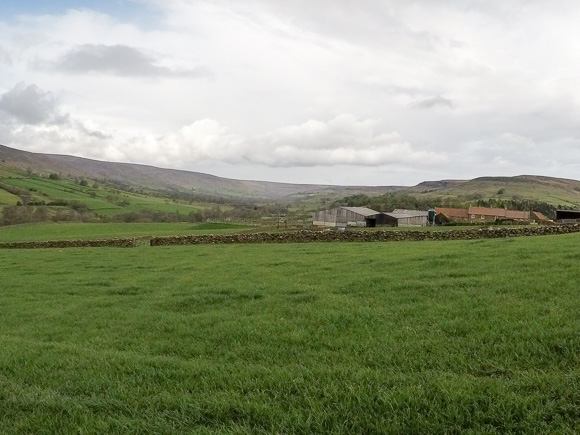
(366, 236)
(101, 243)
(305, 236)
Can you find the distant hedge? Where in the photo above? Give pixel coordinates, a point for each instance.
(305, 236)
(102, 243)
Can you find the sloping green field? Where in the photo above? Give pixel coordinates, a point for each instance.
(102, 200)
(6, 198)
(420, 337)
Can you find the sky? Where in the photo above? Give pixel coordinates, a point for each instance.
(347, 92)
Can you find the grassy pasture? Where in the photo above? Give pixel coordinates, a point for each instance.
(6, 198)
(420, 337)
(102, 200)
(73, 231)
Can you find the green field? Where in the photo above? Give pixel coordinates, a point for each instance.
(74, 230)
(6, 198)
(412, 337)
(70, 231)
(103, 200)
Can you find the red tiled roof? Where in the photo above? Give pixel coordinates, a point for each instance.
(452, 212)
(514, 214)
(486, 211)
(499, 212)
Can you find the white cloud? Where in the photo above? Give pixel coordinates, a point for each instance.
(343, 140)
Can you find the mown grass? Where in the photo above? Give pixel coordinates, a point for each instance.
(420, 337)
(73, 231)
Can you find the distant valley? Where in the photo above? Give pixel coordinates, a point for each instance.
(60, 187)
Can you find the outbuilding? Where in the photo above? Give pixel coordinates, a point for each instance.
(348, 216)
(407, 218)
(568, 216)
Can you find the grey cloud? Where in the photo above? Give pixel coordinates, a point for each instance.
(429, 103)
(5, 57)
(119, 60)
(92, 133)
(31, 105)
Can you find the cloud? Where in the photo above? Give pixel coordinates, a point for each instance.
(343, 140)
(5, 57)
(119, 60)
(397, 87)
(31, 105)
(432, 102)
(36, 118)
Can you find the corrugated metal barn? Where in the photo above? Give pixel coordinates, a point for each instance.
(407, 218)
(348, 216)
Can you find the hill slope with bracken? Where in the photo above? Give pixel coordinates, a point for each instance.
(153, 178)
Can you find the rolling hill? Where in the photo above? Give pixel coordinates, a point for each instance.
(555, 191)
(162, 183)
(159, 179)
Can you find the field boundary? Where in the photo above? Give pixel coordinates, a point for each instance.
(307, 236)
(301, 236)
(95, 243)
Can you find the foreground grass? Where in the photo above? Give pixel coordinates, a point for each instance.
(70, 231)
(424, 337)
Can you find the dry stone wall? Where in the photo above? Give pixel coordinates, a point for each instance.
(305, 236)
(101, 243)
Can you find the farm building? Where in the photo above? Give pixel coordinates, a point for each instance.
(444, 215)
(537, 217)
(487, 215)
(406, 218)
(568, 216)
(348, 216)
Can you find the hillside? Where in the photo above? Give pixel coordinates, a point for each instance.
(159, 179)
(115, 188)
(555, 191)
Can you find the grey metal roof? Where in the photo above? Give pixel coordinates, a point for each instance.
(362, 211)
(411, 213)
(402, 214)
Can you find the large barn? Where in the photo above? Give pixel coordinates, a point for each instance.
(348, 216)
(366, 217)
